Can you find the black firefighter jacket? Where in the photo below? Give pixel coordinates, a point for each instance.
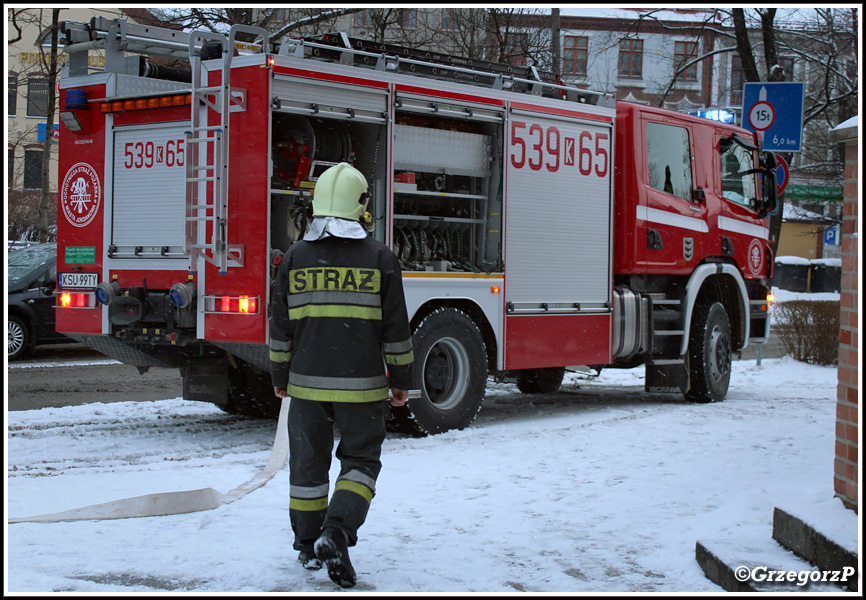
(337, 311)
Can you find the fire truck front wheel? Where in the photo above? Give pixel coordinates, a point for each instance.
(709, 354)
(450, 369)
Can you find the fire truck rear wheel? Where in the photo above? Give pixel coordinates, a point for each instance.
(251, 393)
(710, 354)
(450, 370)
(540, 381)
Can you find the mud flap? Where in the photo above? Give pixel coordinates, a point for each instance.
(672, 378)
(208, 383)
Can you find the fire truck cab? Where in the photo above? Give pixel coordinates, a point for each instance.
(540, 227)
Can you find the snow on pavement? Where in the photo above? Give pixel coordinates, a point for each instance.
(597, 488)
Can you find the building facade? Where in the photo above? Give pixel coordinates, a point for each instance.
(27, 105)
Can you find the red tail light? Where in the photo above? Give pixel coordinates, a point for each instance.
(238, 305)
(76, 300)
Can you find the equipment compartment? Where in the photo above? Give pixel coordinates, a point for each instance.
(447, 201)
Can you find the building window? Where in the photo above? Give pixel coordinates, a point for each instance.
(738, 79)
(408, 18)
(362, 18)
(13, 95)
(516, 47)
(33, 169)
(37, 98)
(683, 53)
(669, 155)
(574, 51)
(11, 167)
(450, 19)
(631, 58)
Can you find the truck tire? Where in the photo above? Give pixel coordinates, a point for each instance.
(709, 354)
(251, 393)
(540, 381)
(18, 340)
(450, 370)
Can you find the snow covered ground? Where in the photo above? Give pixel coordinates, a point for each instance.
(597, 488)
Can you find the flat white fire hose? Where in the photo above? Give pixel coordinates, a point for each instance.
(177, 503)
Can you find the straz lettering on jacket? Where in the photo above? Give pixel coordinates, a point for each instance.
(338, 292)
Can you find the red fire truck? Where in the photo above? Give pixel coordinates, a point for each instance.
(540, 227)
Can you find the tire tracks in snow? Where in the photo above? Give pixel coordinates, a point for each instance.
(141, 442)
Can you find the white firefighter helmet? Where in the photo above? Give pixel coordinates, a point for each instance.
(341, 191)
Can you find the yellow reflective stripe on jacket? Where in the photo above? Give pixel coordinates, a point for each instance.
(308, 505)
(321, 395)
(280, 357)
(353, 486)
(344, 311)
(407, 358)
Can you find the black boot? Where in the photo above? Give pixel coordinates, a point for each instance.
(333, 549)
(309, 560)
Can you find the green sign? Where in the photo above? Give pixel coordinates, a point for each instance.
(80, 255)
(812, 192)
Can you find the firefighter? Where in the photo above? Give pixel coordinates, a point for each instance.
(337, 311)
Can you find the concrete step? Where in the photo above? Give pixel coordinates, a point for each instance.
(828, 542)
(757, 565)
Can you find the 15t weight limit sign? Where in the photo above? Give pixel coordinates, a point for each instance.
(762, 115)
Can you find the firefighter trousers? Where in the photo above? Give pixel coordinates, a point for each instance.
(311, 440)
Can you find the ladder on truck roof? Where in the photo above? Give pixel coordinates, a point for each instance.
(340, 48)
(110, 34)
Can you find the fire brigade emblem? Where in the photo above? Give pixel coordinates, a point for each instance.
(80, 194)
(756, 257)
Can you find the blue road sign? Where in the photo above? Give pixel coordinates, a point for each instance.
(40, 132)
(776, 110)
(831, 236)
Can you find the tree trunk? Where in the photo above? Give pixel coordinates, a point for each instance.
(554, 41)
(750, 69)
(47, 202)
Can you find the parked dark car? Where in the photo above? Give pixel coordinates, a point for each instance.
(32, 280)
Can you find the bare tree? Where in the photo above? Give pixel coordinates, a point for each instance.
(48, 202)
(280, 22)
(29, 203)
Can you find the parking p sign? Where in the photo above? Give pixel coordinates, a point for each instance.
(775, 109)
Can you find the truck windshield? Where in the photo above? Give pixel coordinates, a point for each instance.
(21, 263)
(738, 175)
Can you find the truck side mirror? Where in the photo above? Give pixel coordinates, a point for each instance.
(770, 186)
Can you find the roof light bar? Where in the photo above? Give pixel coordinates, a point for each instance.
(174, 100)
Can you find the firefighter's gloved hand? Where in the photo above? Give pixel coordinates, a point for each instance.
(280, 392)
(398, 397)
